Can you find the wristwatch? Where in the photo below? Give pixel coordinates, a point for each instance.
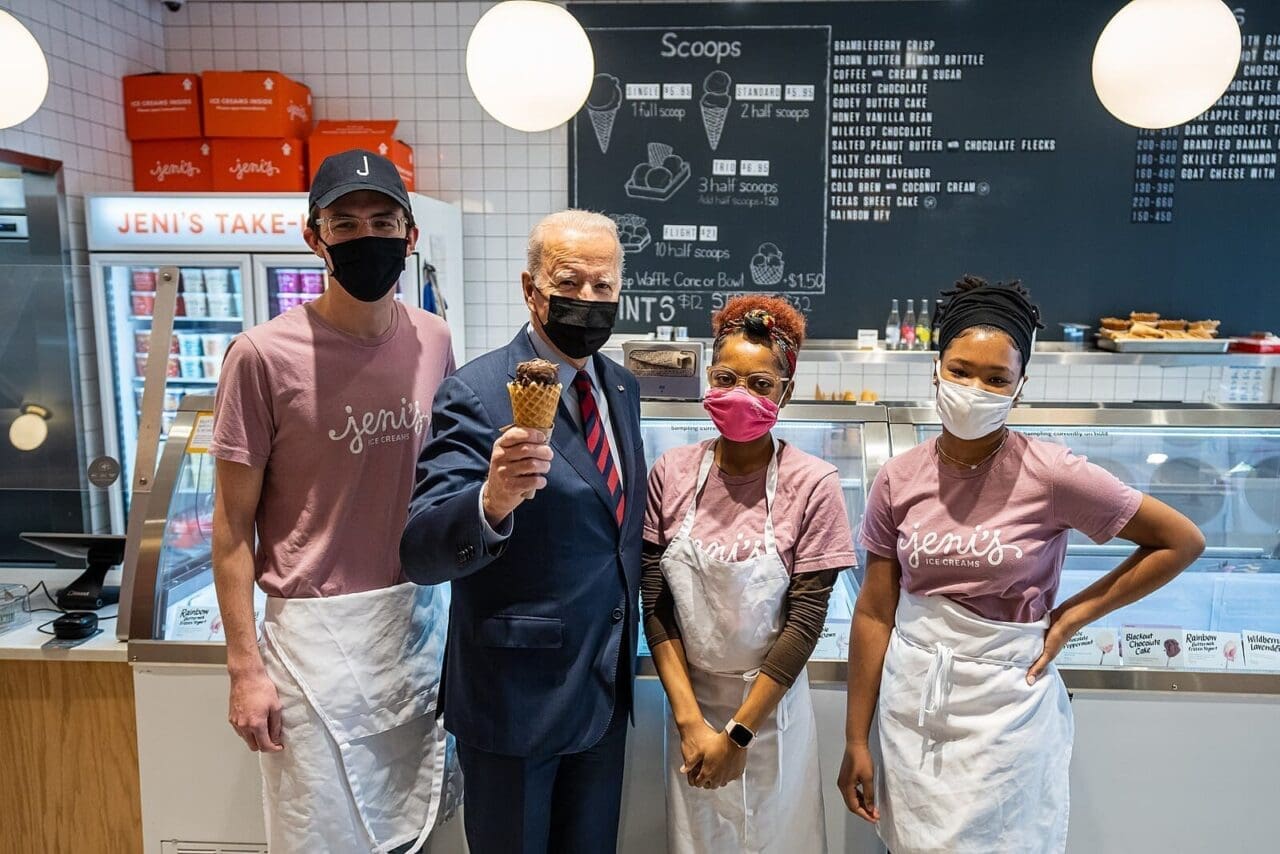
(739, 734)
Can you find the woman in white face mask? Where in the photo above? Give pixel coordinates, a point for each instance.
(957, 623)
(743, 537)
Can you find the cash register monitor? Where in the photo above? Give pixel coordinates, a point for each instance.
(98, 553)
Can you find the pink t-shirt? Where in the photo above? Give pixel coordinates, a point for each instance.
(810, 522)
(993, 538)
(337, 421)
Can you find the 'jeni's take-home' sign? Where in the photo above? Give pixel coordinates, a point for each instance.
(844, 154)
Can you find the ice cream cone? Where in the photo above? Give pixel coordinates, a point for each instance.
(602, 123)
(533, 407)
(713, 118)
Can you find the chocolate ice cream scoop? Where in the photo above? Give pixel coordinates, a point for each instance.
(537, 372)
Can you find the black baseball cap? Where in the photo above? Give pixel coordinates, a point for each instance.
(354, 170)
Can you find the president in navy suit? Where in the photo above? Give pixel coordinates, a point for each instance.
(541, 655)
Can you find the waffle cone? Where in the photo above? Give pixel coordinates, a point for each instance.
(534, 406)
(602, 123)
(713, 123)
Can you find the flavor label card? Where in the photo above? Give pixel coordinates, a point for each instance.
(1153, 646)
(1091, 647)
(833, 643)
(193, 623)
(1261, 651)
(1214, 651)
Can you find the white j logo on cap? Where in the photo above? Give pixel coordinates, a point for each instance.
(364, 173)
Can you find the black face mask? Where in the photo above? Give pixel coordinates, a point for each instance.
(368, 267)
(579, 327)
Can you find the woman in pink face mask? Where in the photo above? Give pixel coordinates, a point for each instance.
(744, 536)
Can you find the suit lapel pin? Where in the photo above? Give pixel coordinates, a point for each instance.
(622, 388)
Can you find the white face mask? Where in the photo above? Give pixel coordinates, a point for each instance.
(971, 413)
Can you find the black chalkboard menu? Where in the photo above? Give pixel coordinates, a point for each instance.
(848, 154)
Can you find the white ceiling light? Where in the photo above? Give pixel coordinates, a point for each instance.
(29, 430)
(530, 64)
(1160, 63)
(24, 71)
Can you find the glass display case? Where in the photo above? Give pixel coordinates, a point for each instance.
(1217, 625)
(174, 609)
(211, 309)
(853, 437)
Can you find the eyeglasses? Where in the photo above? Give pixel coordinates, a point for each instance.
(347, 227)
(760, 384)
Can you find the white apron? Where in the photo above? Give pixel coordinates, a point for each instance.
(729, 616)
(973, 759)
(364, 763)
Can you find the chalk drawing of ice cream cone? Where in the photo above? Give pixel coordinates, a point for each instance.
(1171, 650)
(715, 105)
(602, 106)
(1229, 652)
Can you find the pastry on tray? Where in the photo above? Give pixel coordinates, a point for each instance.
(1144, 330)
(1144, 316)
(1116, 324)
(1172, 325)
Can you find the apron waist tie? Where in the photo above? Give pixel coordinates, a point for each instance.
(933, 696)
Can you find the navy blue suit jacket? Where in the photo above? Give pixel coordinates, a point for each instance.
(541, 653)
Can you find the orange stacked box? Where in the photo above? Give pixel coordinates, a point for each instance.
(258, 123)
(378, 136)
(162, 118)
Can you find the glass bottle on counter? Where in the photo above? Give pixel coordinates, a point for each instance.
(909, 327)
(924, 329)
(893, 329)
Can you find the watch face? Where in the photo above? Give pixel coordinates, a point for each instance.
(740, 735)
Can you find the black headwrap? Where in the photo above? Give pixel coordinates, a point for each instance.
(1006, 307)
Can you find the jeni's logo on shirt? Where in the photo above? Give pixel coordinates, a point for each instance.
(380, 426)
(956, 549)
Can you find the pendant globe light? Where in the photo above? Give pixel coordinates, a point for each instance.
(530, 64)
(1160, 63)
(24, 71)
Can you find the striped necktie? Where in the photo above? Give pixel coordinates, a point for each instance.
(598, 443)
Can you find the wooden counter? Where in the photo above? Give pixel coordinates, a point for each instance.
(68, 744)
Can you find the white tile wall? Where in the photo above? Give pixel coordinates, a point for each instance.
(90, 45)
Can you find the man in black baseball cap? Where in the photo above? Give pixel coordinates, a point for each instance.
(360, 221)
(320, 417)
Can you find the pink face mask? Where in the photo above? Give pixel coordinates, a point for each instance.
(739, 415)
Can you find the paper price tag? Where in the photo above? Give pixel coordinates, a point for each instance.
(1152, 646)
(201, 434)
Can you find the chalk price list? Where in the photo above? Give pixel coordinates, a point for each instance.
(1236, 140)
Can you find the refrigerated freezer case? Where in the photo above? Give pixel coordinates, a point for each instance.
(1148, 730)
(124, 294)
(852, 437)
(1220, 468)
(243, 261)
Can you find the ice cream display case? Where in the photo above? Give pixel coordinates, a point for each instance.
(853, 437)
(173, 613)
(1216, 627)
